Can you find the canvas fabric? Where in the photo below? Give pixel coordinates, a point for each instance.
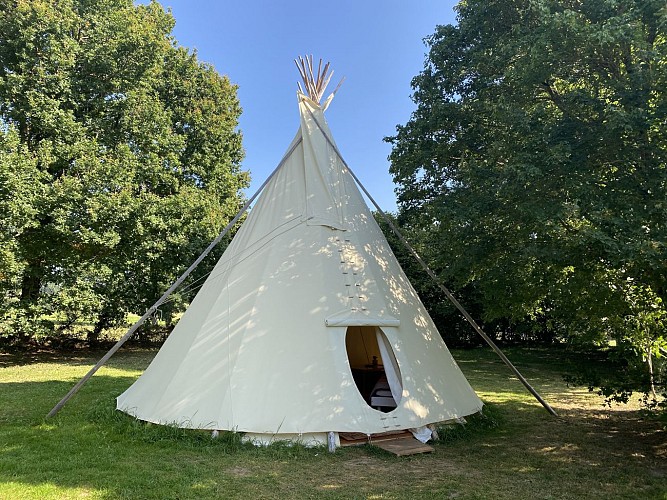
(261, 348)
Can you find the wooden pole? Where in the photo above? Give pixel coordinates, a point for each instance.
(433, 276)
(166, 294)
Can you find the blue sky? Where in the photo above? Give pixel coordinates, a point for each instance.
(377, 45)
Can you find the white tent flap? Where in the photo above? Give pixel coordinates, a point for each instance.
(391, 370)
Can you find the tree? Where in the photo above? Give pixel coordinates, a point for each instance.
(20, 185)
(130, 153)
(537, 160)
(453, 327)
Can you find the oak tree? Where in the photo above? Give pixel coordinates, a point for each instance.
(536, 160)
(119, 160)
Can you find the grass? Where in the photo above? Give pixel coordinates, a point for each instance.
(514, 450)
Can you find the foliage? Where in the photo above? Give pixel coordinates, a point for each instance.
(20, 186)
(119, 161)
(453, 327)
(536, 162)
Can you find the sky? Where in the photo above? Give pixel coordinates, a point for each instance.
(376, 45)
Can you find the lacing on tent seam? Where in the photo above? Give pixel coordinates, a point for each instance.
(351, 276)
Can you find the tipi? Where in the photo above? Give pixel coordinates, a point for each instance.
(307, 325)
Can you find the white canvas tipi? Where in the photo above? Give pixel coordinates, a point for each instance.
(307, 324)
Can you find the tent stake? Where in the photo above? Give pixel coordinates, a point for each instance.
(171, 289)
(435, 279)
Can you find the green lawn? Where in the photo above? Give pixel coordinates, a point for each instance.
(516, 451)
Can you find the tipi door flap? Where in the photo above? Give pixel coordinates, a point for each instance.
(391, 369)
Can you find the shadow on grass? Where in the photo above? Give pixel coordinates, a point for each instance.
(615, 434)
(129, 358)
(513, 449)
(91, 446)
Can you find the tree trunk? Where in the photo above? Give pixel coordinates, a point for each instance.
(31, 283)
(93, 336)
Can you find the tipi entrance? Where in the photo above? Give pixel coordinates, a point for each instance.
(374, 367)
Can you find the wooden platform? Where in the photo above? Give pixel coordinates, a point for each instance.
(400, 443)
(403, 447)
(358, 438)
